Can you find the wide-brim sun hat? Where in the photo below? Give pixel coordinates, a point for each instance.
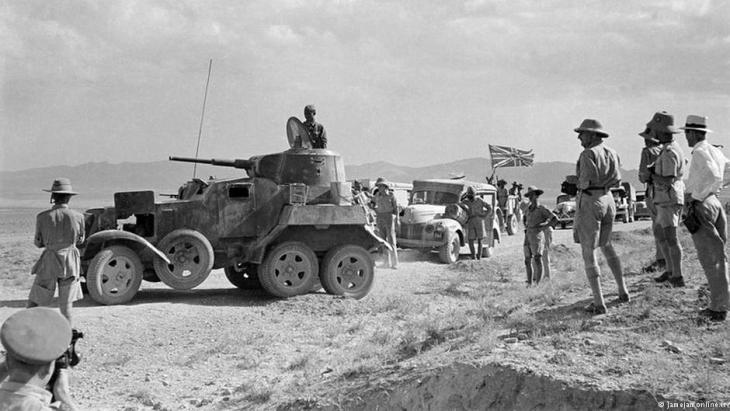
(695, 122)
(61, 186)
(533, 190)
(663, 122)
(591, 124)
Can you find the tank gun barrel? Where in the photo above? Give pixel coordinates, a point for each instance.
(236, 163)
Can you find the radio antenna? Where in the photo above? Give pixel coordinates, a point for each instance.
(202, 116)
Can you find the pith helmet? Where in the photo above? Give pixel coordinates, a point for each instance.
(698, 123)
(36, 335)
(532, 190)
(61, 186)
(662, 122)
(590, 124)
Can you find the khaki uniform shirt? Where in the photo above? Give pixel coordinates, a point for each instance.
(317, 134)
(15, 396)
(60, 231)
(670, 163)
(385, 203)
(535, 218)
(598, 166)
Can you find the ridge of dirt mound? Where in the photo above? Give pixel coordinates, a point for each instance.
(489, 386)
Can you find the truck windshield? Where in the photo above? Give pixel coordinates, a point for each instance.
(434, 197)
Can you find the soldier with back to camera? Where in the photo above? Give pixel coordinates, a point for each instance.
(60, 231)
(597, 171)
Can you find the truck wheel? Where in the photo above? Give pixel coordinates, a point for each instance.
(289, 269)
(243, 276)
(114, 275)
(449, 252)
(511, 224)
(348, 270)
(191, 259)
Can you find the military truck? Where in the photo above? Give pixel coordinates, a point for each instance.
(287, 226)
(434, 221)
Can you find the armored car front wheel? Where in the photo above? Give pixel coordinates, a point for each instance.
(191, 259)
(114, 275)
(348, 270)
(289, 269)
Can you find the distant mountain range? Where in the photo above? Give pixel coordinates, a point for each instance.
(97, 182)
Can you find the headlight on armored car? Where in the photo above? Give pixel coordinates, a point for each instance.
(429, 228)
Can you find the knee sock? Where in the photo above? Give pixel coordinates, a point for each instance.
(594, 279)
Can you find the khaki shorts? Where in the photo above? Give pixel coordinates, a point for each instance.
(44, 289)
(594, 219)
(668, 215)
(534, 244)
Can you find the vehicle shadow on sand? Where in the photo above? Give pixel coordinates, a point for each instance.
(228, 297)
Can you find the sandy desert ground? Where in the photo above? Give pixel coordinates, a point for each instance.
(429, 336)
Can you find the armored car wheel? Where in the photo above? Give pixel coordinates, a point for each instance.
(348, 270)
(191, 259)
(114, 275)
(289, 269)
(244, 276)
(449, 252)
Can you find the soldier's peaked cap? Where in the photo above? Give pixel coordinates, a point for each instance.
(61, 185)
(36, 335)
(590, 124)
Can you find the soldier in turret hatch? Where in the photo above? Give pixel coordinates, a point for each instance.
(317, 133)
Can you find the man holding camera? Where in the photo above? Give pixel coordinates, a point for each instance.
(60, 231)
(34, 338)
(709, 233)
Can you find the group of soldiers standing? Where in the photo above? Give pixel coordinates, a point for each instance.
(664, 169)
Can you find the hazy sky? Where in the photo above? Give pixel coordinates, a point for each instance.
(409, 82)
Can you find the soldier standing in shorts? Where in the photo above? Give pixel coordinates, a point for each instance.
(597, 171)
(60, 231)
(475, 226)
(667, 173)
(538, 219)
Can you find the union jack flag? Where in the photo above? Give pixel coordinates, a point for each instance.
(503, 156)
